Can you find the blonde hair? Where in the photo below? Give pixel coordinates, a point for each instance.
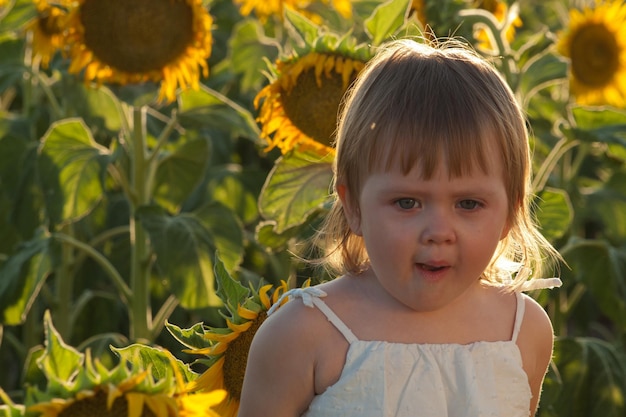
(418, 103)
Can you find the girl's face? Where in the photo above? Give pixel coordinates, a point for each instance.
(430, 240)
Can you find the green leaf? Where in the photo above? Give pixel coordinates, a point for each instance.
(608, 206)
(9, 408)
(207, 108)
(18, 175)
(20, 14)
(297, 186)
(555, 213)
(540, 71)
(594, 117)
(593, 373)
(60, 362)
(14, 151)
(266, 235)
(386, 20)
(224, 231)
(71, 166)
(179, 173)
(230, 291)
(23, 275)
(616, 151)
(249, 50)
(550, 390)
(303, 27)
(157, 359)
(600, 124)
(12, 64)
(232, 186)
(98, 107)
(184, 246)
(602, 269)
(191, 337)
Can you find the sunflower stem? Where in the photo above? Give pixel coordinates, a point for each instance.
(139, 270)
(547, 167)
(99, 240)
(118, 175)
(152, 160)
(45, 86)
(498, 30)
(163, 136)
(64, 289)
(164, 312)
(100, 259)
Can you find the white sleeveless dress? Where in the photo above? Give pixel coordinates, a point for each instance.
(384, 379)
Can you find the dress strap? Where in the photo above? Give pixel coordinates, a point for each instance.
(311, 296)
(519, 315)
(530, 285)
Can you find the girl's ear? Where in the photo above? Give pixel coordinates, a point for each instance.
(352, 213)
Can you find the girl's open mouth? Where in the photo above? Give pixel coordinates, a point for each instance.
(432, 268)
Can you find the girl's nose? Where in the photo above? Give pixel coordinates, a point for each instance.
(437, 227)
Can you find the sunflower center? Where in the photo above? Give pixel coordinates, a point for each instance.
(313, 110)
(236, 357)
(139, 35)
(96, 406)
(594, 55)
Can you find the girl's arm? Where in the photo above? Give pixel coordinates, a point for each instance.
(279, 378)
(536, 340)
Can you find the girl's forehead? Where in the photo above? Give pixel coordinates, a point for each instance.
(427, 157)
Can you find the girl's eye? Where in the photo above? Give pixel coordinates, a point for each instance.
(469, 204)
(406, 203)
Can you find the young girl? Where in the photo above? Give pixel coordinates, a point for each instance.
(432, 236)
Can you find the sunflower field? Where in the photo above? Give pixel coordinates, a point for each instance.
(161, 162)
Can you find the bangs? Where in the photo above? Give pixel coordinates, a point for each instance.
(421, 108)
(427, 138)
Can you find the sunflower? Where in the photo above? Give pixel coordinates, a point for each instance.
(121, 400)
(501, 12)
(48, 29)
(595, 43)
(227, 348)
(122, 42)
(147, 382)
(263, 9)
(300, 106)
(110, 400)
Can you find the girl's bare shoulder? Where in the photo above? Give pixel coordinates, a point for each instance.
(536, 329)
(297, 322)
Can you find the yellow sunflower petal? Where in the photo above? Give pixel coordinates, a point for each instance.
(246, 313)
(221, 337)
(265, 300)
(212, 379)
(161, 405)
(280, 290)
(344, 7)
(52, 408)
(238, 328)
(135, 403)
